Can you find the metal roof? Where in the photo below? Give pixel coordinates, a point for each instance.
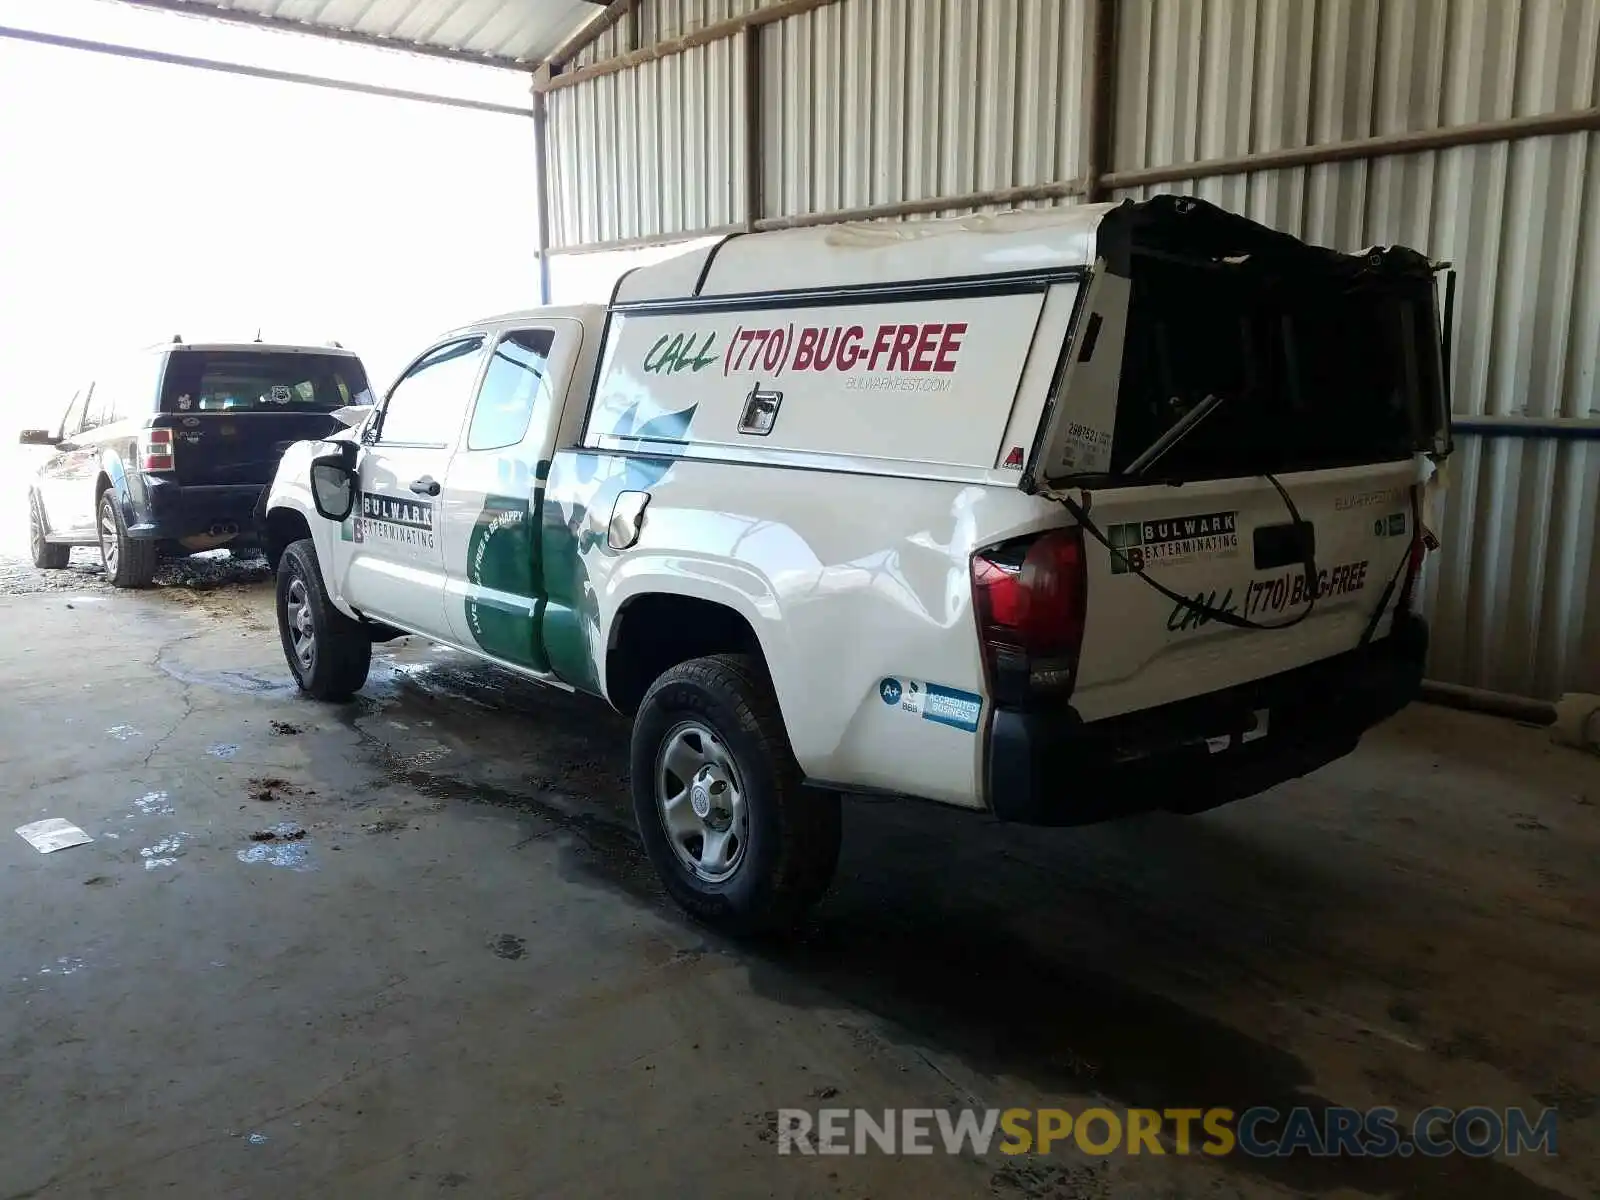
(505, 33)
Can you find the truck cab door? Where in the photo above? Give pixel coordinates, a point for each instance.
(393, 556)
(495, 590)
(50, 478)
(66, 482)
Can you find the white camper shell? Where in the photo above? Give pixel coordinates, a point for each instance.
(1057, 515)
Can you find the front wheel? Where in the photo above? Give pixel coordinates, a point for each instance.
(328, 652)
(129, 562)
(738, 840)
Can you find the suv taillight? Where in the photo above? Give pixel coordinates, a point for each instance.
(1031, 601)
(155, 450)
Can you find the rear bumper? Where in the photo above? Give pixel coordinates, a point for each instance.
(1051, 768)
(165, 510)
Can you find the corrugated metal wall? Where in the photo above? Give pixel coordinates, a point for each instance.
(651, 151)
(1515, 594)
(871, 102)
(863, 102)
(881, 101)
(657, 20)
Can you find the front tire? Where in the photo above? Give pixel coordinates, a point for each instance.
(738, 840)
(46, 555)
(129, 562)
(329, 653)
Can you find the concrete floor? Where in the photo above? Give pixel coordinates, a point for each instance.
(465, 980)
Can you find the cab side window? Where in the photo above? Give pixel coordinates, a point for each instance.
(72, 422)
(513, 390)
(128, 389)
(426, 407)
(98, 411)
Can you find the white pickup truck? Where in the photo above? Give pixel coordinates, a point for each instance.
(1052, 515)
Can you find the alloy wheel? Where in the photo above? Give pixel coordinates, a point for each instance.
(35, 531)
(298, 621)
(700, 799)
(110, 554)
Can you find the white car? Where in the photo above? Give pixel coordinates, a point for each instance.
(1015, 513)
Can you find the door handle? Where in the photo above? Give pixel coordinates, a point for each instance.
(426, 486)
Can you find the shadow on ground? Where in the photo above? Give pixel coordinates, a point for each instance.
(1127, 961)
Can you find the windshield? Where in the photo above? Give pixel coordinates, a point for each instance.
(242, 381)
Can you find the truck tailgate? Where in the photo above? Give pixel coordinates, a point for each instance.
(1230, 545)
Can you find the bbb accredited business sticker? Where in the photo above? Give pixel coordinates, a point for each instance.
(933, 702)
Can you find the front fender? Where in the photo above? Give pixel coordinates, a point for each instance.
(290, 491)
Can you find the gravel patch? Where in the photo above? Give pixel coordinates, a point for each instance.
(215, 569)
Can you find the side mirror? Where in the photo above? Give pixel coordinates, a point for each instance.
(38, 437)
(333, 486)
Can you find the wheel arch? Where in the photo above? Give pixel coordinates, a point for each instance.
(113, 473)
(659, 622)
(113, 477)
(284, 524)
(289, 515)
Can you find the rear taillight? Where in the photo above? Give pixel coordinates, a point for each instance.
(1031, 602)
(155, 450)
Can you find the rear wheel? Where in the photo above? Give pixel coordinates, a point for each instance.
(46, 555)
(738, 840)
(328, 652)
(129, 563)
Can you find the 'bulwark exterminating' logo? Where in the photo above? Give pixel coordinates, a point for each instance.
(1136, 545)
(388, 518)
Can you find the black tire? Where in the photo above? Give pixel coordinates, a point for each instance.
(129, 562)
(792, 832)
(46, 555)
(340, 648)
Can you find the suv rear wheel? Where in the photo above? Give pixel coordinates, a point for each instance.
(736, 837)
(328, 652)
(129, 563)
(46, 555)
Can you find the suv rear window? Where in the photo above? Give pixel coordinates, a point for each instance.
(240, 381)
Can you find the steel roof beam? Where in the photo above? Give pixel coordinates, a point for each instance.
(197, 8)
(253, 72)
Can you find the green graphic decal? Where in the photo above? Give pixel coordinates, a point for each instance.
(681, 352)
(503, 556)
(581, 492)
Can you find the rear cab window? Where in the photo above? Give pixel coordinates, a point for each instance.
(513, 388)
(237, 381)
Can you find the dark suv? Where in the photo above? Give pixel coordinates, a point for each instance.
(169, 454)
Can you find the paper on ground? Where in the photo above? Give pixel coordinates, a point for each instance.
(53, 834)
